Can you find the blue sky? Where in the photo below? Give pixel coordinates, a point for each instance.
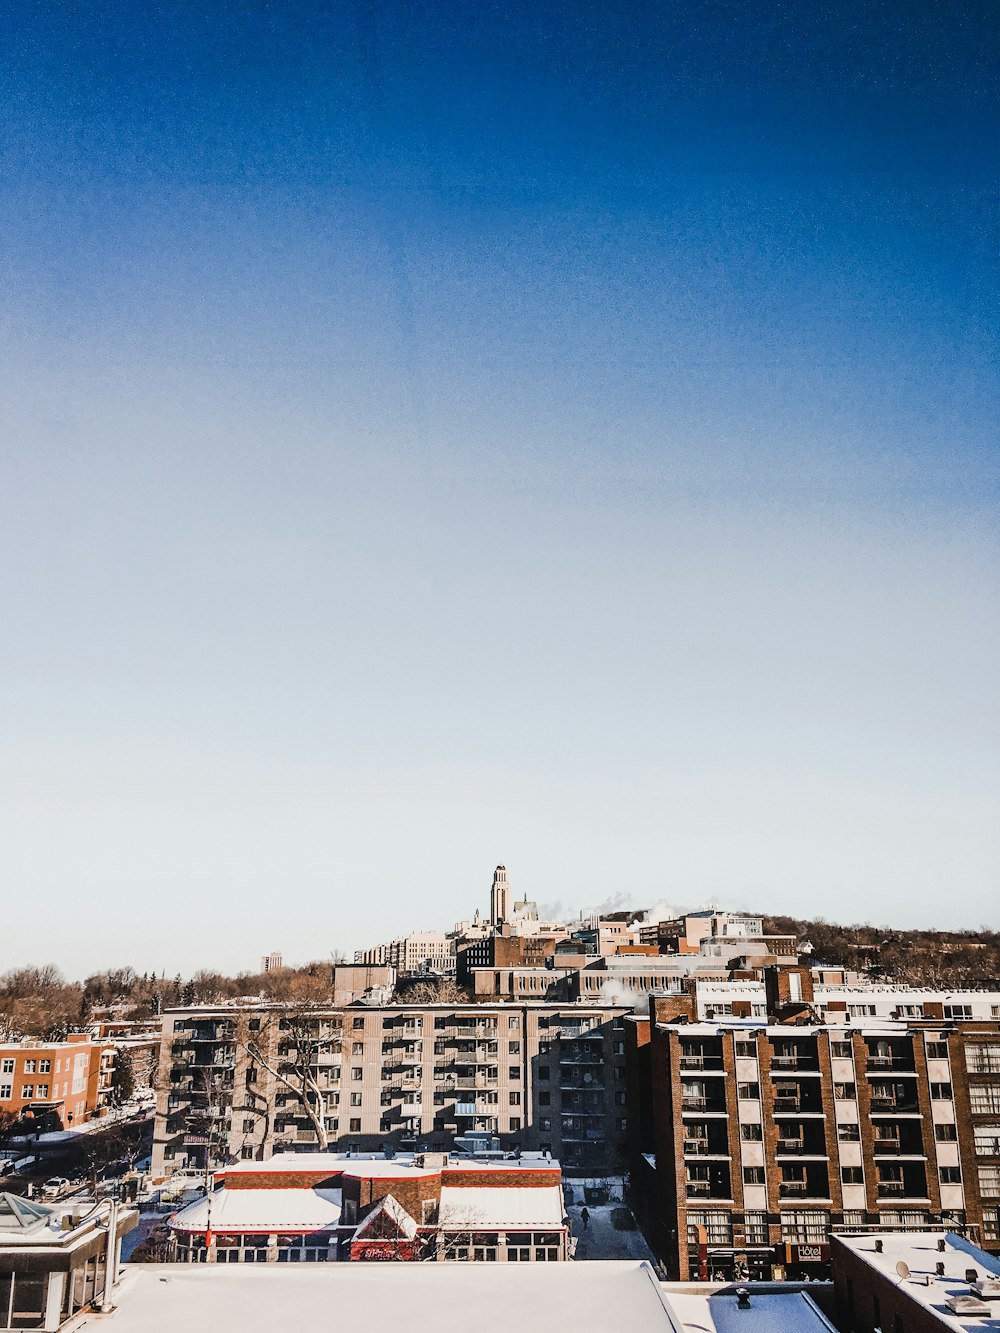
(435, 435)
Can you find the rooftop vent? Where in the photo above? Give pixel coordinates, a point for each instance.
(967, 1305)
(742, 1298)
(987, 1288)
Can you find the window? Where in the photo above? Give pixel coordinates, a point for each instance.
(854, 1220)
(845, 1092)
(983, 1059)
(355, 1098)
(515, 1123)
(357, 1048)
(514, 1048)
(748, 1092)
(805, 1228)
(985, 1098)
(6, 1066)
(619, 1074)
(355, 1125)
(29, 1066)
(841, 1050)
(987, 1140)
(861, 1010)
(43, 1090)
(618, 1048)
(849, 1132)
(543, 1072)
(620, 1098)
(755, 1226)
(357, 1073)
(544, 1122)
(989, 1180)
(359, 1025)
(751, 1133)
(745, 1050)
(951, 1175)
(962, 1012)
(6, 1091)
(937, 1050)
(946, 1133)
(514, 1072)
(45, 1066)
(27, 1090)
(249, 1126)
(941, 1092)
(251, 1075)
(852, 1175)
(544, 1098)
(991, 1224)
(514, 1022)
(718, 1226)
(753, 1175)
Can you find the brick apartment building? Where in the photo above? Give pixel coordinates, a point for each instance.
(319, 1207)
(533, 1076)
(751, 1143)
(57, 1084)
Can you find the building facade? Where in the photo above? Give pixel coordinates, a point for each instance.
(57, 1084)
(752, 1143)
(330, 1206)
(532, 1076)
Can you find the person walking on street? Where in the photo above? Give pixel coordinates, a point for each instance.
(585, 1217)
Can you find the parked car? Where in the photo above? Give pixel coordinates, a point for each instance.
(54, 1186)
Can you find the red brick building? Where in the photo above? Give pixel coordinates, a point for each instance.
(751, 1144)
(316, 1207)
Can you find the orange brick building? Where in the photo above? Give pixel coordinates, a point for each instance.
(60, 1083)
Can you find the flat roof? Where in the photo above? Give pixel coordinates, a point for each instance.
(919, 1251)
(377, 1166)
(425, 1298)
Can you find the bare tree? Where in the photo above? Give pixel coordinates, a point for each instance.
(431, 990)
(292, 1044)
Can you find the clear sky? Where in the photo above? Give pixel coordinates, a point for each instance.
(436, 434)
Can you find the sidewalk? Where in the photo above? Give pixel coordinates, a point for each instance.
(602, 1240)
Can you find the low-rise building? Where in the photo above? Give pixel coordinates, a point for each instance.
(57, 1084)
(318, 1207)
(920, 1282)
(57, 1260)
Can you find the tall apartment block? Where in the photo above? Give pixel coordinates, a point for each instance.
(751, 1143)
(533, 1076)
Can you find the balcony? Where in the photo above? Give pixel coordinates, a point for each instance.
(896, 1064)
(893, 1106)
(793, 1189)
(890, 1188)
(798, 1064)
(703, 1063)
(465, 1108)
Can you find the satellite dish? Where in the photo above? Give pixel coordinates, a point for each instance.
(903, 1268)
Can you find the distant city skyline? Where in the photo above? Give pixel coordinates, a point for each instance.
(440, 436)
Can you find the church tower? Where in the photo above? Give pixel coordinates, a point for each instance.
(500, 897)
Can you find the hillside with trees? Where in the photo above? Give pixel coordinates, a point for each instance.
(937, 958)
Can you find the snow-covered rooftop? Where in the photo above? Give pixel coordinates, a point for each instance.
(770, 1312)
(919, 1252)
(422, 1298)
(265, 1210)
(524, 1206)
(378, 1167)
